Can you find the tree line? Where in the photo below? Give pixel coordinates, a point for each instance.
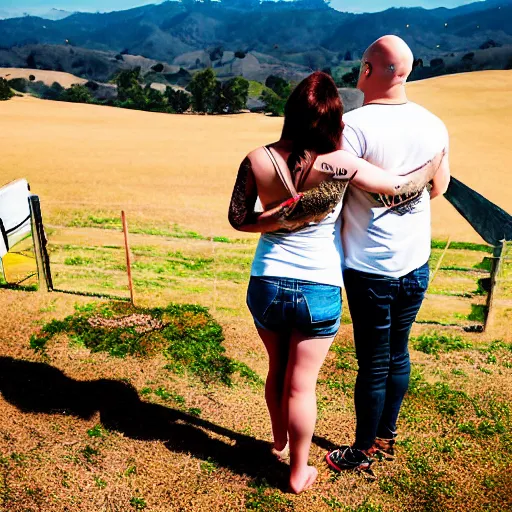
(205, 94)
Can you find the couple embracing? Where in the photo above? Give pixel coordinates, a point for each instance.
(390, 158)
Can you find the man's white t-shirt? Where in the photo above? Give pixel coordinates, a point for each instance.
(376, 239)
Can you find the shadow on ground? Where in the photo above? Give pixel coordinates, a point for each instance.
(41, 388)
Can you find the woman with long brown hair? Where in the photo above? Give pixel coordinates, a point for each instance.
(294, 292)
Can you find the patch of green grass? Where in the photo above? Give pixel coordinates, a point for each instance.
(263, 499)
(89, 453)
(434, 342)
(78, 261)
(186, 334)
(101, 484)
(209, 466)
(463, 246)
(138, 503)
(97, 431)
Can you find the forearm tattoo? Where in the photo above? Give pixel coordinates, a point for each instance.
(410, 192)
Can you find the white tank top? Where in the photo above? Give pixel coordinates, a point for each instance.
(311, 254)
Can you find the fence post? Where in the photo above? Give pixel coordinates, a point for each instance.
(39, 238)
(498, 255)
(128, 258)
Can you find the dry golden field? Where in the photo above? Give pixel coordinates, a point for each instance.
(48, 77)
(86, 431)
(172, 168)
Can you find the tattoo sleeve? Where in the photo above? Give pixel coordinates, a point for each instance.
(243, 198)
(410, 192)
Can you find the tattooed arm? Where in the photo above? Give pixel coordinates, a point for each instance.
(241, 213)
(368, 177)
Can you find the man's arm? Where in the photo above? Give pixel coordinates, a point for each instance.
(441, 180)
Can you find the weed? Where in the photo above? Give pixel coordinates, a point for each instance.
(194, 411)
(209, 466)
(78, 261)
(263, 500)
(96, 431)
(461, 373)
(99, 482)
(130, 470)
(89, 453)
(433, 343)
(166, 395)
(138, 503)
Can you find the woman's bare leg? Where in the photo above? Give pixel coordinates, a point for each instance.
(277, 349)
(304, 363)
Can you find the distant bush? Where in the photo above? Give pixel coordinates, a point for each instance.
(217, 53)
(273, 103)
(279, 85)
(178, 101)
(119, 57)
(5, 90)
(232, 95)
(51, 93)
(350, 79)
(18, 84)
(77, 94)
(468, 57)
(158, 68)
(437, 63)
(32, 78)
(240, 55)
(490, 44)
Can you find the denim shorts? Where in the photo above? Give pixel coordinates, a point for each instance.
(282, 305)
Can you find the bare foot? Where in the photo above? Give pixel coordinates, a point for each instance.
(303, 480)
(281, 454)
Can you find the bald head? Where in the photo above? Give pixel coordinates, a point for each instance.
(386, 64)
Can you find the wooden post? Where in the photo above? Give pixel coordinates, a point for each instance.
(39, 239)
(498, 255)
(128, 258)
(443, 254)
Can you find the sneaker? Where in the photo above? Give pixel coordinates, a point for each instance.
(347, 457)
(384, 448)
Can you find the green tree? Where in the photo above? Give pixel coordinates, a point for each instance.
(204, 91)
(77, 94)
(234, 94)
(18, 84)
(279, 85)
(351, 78)
(155, 100)
(178, 101)
(130, 93)
(5, 91)
(273, 103)
(52, 93)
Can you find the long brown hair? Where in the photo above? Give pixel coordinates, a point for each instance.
(313, 120)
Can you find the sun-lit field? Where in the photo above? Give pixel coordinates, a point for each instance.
(83, 429)
(48, 77)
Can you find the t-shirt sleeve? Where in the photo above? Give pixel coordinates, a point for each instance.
(353, 141)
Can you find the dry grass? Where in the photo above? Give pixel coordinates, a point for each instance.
(48, 77)
(84, 431)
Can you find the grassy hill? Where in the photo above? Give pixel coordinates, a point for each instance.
(84, 430)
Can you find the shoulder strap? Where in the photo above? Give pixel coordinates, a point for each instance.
(287, 183)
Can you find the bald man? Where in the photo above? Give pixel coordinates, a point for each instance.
(386, 242)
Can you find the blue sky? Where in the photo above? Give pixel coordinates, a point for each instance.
(115, 5)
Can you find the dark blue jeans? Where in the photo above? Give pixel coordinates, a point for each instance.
(383, 310)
